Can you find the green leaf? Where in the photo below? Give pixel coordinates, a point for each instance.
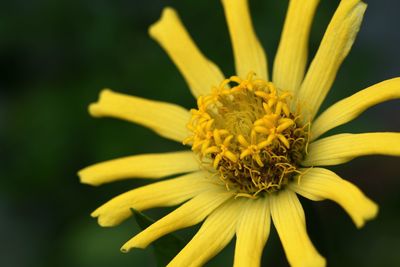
(166, 247)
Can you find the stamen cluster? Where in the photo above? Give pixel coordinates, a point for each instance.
(246, 131)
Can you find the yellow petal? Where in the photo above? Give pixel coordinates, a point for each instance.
(245, 153)
(161, 194)
(248, 52)
(231, 156)
(168, 120)
(140, 166)
(261, 129)
(252, 232)
(284, 140)
(289, 220)
(190, 213)
(242, 140)
(217, 137)
(291, 58)
(340, 148)
(212, 149)
(284, 126)
(217, 160)
(199, 72)
(319, 184)
(351, 107)
(213, 236)
(335, 45)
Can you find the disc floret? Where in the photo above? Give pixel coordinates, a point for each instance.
(247, 132)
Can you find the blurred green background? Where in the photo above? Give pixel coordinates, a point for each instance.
(55, 56)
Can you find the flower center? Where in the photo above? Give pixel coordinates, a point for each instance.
(245, 130)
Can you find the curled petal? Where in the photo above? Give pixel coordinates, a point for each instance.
(291, 58)
(248, 52)
(199, 72)
(215, 233)
(252, 232)
(335, 45)
(351, 107)
(319, 184)
(161, 194)
(139, 166)
(341, 148)
(289, 220)
(168, 120)
(190, 213)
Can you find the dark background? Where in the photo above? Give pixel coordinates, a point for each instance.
(55, 56)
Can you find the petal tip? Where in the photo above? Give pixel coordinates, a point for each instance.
(85, 179)
(81, 175)
(130, 245)
(166, 14)
(95, 214)
(359, 224)
(103, 221)
(316, 261)
(124, 249)
(363, 4)
(374, 211)
(321, 262)
(167, 11)
(95, 108)
(371, 212)
(105, 91)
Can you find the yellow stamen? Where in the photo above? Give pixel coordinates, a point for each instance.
(247, 132)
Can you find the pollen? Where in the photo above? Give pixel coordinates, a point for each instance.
(246, 132)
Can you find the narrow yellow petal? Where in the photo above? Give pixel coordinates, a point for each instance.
(204, 146)
(228, 140)
(286, 109)
(291, 58)
(242, 140)
(140, 166)
(335, 45)
(261, 129)
(245, 153)
(217, 137)
(168, 120)
(278, 108)
(319, 184)
(230, 156)
(341, 148)
(161, 194)
(248, 52)
(284, 126)
(289, 220)
(284, 140)
(252, 233)
(257, 158)
(190, 213)
(212, 149)
(351, 107)
(263, 144)
(199, 72)
(213, 236)
(216, 161)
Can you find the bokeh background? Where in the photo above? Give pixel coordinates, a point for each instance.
(55, 56)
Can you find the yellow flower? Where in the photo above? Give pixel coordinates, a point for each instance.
(255, 142)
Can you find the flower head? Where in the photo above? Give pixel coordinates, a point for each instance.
(254, 141)
(249, 135)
